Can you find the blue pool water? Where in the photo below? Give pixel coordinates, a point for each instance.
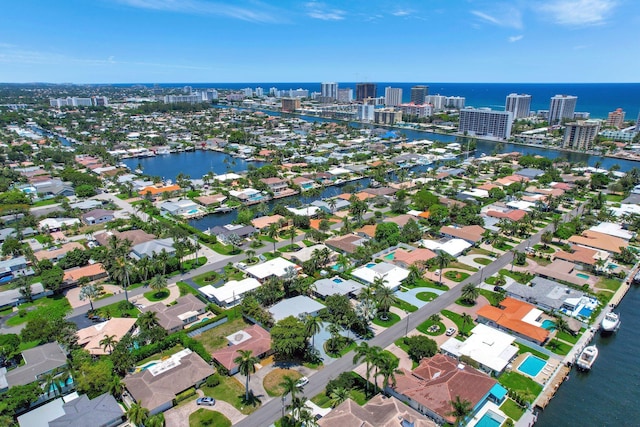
(337, 280)
(148, 365)
(390, 256)
(532, 365)
(371, 265)
(204, 319)
(582, 276)
(490, 419)
(336, 267)
(549, 325)
(585, 312)
(611, 266)
(192, 211)
(52, 388)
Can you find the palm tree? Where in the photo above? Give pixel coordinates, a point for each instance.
(289, 386)
(313, 325)
(250, 255)
(144, 267)
(460, 408)
(470, 293)
(306, 418)
(363, 352)
(158, 283)
(120, 273)
(379, 282)
(385, 297)
(332, 205)
(466, 320)
(52, 384)
(272, 232)
(339, 395)
(137, 414)
(116, 387)
(292, 233)
(415, 274)
(386, 368)
(162, 259)
(148, 320)
(562, 325)
(156, 420)
(108, 342)
(246, 362)
(435, 318)
(89, 292)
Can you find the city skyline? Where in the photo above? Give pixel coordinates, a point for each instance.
(165, 41)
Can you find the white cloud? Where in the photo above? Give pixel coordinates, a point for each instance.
(320, 11)
(514, 39)
(510, 17)
(578, 12)
(401, 12)
(257, 12)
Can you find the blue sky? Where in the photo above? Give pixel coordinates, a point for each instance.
(164, 41)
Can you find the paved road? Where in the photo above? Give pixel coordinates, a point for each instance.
(272, 410)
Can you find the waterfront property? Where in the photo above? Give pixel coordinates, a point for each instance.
(184, 207)
(516, 317)
(156, 387)
(546, 294)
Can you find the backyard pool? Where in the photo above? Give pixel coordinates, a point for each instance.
(371, 265)
(532, 365)
(192, 211)
(337, 280)
(490, 419)
(390, 256)
(148, 365)
(549, 325)
(585, 312)
(582, 276)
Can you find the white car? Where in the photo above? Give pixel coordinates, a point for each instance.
(302, 382)
(450, 332)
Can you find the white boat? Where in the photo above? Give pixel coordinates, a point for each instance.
(610, 322)
(587, 358)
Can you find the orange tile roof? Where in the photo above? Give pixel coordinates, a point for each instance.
(578, 254)
(258, 344)
(361, 196)
(315, 223)
(369, 230)
(91, 270)
(414, 256)
(425, 214)
(593, 239)
(509, 316)
(158, 190)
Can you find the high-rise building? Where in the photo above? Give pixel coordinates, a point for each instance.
(392, 96)
(616, 118)
(345, 95)
(419, 93)
(365, 90)
(519, 105)
(387, 116)
(100, 101)
(484, 121)
(438, 101)
(456, 102)
(259, 92)
(562, 107)
(178, 99)
(365, 112)
(329, 90)
(419, 110)
(581, 134)
(290, 104)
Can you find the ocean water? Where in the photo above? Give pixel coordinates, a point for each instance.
(596, 98)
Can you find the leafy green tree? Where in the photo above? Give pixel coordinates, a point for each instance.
(470, 293)
(246, 362)
(12, 246)
(289, 339)
(460, 409)
(339, 395)
(85, 190)
(90, 292)
(424, 199)
(410, 232)
(137, 414)
(420, 346)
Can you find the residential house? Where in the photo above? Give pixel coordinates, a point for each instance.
(180, 207)
(97, 216)
(13, 297)
(223, 233)
(345, 244)
(306, 253)
(336, 286)
(276, 185)
(151, 248)
(75, 411)
(340, 204)
(278, 267)
(254, 338)
(599, 241)
(38, 362)
(156, 190)
(55, 224)
(468, 233)
(156, 387)
(490, 348)
(212, 200)
(392, 275)
(406, 258)
(116, 327)
(14, 267)
(231, 293)
(92, 272)
(530, 173)
(582, 256)
(175, 317)
(454, 247)
(265, 222)
(437, 381)
(546, 294)
(55, 254)
(54, 187)
(380, 411)
(300, 305)
(136, 237)
(516, 317)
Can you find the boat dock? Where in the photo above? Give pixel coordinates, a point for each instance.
(547, 394)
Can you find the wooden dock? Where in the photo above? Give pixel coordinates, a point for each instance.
(547, 394)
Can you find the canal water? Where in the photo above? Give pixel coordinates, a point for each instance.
(609, 394)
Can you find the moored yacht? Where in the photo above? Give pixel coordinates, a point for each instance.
(587, 358)
(610, 322)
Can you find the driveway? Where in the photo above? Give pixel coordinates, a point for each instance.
(179, 416)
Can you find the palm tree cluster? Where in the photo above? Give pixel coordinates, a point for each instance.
(375, 358)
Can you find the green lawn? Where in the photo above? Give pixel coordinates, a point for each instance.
(456, 276)
(216, 338)
(518, 276)
(393, 319)
(480, 251)
(344, 350)
(524, 386)
(155, 296)
(224, 249)
(186, 289)
(231, 391)
(424, 328)
(118, 309)
(492, 297)
(53, 306)
(400, 343)
(524, 349)
(614, 198)
(512, 410)
(426, 296)
(502, 246)
(205, 417)
(567, 337)
(206, 279)
(6, 311)
(482, 261)
(403, 305)
(457, 319)
(267, 239)
(322, 400)
(46, 202)
(609, 284)
(558, 347)
(464, 303)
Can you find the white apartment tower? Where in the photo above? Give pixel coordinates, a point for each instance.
(329, 90)
(345, 95)
(392, 96)
(581, 134)
(486, 122)
(519, 105)
(562, 107)
(456, 102)
(438, 101)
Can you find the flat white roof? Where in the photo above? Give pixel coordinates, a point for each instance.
(612, 229)
(275, 267)
(521, 204)
(453, 247)
(294, 307)
(486, 345)
(308, 211)
(231, 290)
(532, 316)
(391, 273)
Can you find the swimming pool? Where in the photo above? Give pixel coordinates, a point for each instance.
(532, 365)
(490, 419)
(585, 312)
(337, 280)
(612, 266)
(61, 384)
(336, 267)
(192, 211)
(549, 325)
(371, 265)
(390, 256)
(582, 276)
(148, 365)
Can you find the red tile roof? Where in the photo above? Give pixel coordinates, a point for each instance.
(509, 316)
(259, 343)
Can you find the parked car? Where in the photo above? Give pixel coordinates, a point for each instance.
(302, 382)
(206, 401)
(450, 332)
